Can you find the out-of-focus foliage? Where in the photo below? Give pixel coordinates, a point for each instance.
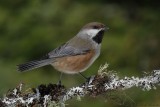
(31, 28)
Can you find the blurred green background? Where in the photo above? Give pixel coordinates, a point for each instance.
(31, 28)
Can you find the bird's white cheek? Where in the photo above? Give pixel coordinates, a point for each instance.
(92, 32)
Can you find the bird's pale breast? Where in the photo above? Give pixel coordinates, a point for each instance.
(74, 64)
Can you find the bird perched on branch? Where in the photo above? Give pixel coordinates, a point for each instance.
(76, 55)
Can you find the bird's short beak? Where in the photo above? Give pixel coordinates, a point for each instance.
(106, 28)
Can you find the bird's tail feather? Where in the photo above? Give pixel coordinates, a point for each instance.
(33, 65)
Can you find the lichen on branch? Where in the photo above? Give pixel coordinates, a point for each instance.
(57, 95)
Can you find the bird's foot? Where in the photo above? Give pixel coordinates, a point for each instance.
(59, 83)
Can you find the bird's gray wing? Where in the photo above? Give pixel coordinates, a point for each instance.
(66, 50)
(62, 51)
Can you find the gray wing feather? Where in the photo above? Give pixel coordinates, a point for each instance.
(66, 50)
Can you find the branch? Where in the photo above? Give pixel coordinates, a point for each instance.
(57, 95)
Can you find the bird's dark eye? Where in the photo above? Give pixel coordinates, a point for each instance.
(95, 27)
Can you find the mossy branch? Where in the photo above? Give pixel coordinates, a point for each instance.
(57, 95)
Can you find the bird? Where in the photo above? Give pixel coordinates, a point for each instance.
(74, 56)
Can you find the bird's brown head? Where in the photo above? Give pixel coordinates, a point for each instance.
(94, 25)
(95, 30)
